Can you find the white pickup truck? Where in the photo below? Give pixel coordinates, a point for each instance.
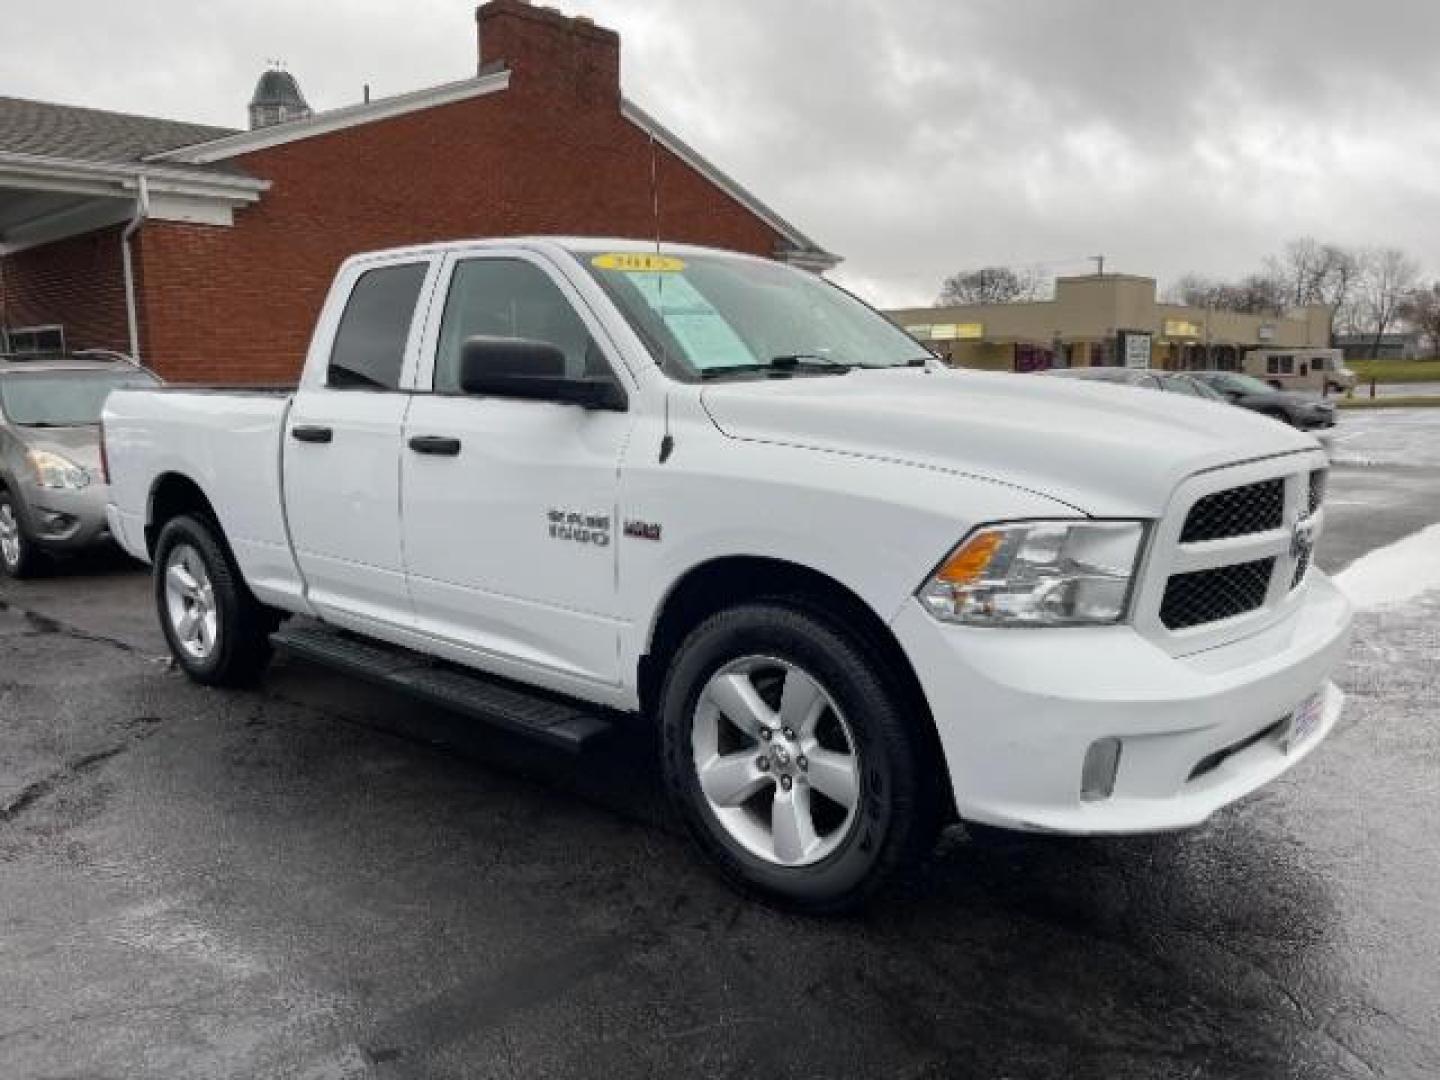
(554, 482)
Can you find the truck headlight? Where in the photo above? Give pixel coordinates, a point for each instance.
(1038, 573)
(54, 471)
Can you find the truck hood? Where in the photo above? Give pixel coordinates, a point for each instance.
(1107, 451)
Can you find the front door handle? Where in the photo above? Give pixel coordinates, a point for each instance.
(312, 433)
(439, 445)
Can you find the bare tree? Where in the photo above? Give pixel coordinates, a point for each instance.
(1387, 279)
(1301, 269)
(1338, 287)
(1422, 311)
(989, 285)
(1258, 294)
(1309, 273)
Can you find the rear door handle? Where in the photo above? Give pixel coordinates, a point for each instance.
(312, 433)
(439, 445)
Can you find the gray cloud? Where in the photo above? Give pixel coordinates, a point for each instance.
(916, 137)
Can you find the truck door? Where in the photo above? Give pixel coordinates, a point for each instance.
(509, 505)
(342, 450)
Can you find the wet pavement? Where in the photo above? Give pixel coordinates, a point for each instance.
(319, 881)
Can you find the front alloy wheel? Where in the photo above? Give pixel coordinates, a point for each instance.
(799, 765)
(18, 555)
(776, 761)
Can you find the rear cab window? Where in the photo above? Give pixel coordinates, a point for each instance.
(369, 348)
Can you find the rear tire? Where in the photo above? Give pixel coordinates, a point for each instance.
(19, 555)
(846, 794)
(218, 632)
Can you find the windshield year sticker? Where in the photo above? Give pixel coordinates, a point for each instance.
(638, 262)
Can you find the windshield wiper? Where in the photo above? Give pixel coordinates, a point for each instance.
(781, 367)
(807, 362)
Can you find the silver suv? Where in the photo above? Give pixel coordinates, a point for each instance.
(52, 493)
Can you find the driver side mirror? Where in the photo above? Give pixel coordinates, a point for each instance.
(534, 371)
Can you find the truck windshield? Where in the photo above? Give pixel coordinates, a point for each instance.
(62, 398)
(711, 315)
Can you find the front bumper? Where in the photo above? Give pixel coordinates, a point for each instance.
(1017, 710)
(63, 519)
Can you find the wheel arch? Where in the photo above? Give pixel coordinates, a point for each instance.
(171, 495)
(728, 581)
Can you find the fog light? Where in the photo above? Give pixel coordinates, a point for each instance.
(55, 523)
(1097, 777)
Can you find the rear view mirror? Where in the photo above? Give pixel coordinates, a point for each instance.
(533, 370)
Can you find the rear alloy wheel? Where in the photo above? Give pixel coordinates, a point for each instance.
(218, 632)
(190, 602)
(798, 768)
(19, 557)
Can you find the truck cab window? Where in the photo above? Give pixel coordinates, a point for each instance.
(369, 348)
(510, 298)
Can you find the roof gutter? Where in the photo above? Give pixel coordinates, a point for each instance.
(142, 213)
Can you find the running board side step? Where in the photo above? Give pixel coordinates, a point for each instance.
(446, 686)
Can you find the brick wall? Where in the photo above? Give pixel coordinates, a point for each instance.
(76, 282)
(550, 155)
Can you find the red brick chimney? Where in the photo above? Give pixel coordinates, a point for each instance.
(539, 44)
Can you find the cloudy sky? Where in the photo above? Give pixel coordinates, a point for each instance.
(915, 137)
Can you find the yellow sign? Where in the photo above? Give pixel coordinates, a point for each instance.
(1181, 328)
(965, 331)
(638, 262)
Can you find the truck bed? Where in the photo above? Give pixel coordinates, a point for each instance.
(228, 442)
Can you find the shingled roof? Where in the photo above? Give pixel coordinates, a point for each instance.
(77, 134)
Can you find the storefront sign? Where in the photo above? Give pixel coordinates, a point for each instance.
(1134, 348)
(1181, 328)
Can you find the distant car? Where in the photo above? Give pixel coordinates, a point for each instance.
(1171, 381)
(52, 494)
(1297, 410)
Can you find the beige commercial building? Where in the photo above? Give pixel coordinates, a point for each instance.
(1107, 319)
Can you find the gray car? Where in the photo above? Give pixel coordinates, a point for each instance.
(52, 492)
(1173, 382)
(1298, 410)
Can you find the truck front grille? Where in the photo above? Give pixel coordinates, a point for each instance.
(1238, 511)
(1206, 596)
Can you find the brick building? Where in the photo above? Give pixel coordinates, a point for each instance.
(209, 251)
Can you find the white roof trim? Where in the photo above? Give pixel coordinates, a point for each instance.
(324, 123)
(104, 178)
(814, 256)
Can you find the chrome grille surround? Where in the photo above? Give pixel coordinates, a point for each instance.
(1195, 594)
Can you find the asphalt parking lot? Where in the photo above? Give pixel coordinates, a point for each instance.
(320, 881)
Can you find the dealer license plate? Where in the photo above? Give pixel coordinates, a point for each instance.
(1304, 721)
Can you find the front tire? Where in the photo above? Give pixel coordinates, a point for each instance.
(792, 760)
(218, 632)
(19, 557)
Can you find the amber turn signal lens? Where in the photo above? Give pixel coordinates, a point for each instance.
(967, 563)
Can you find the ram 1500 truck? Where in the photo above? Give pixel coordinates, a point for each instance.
(554, 482)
